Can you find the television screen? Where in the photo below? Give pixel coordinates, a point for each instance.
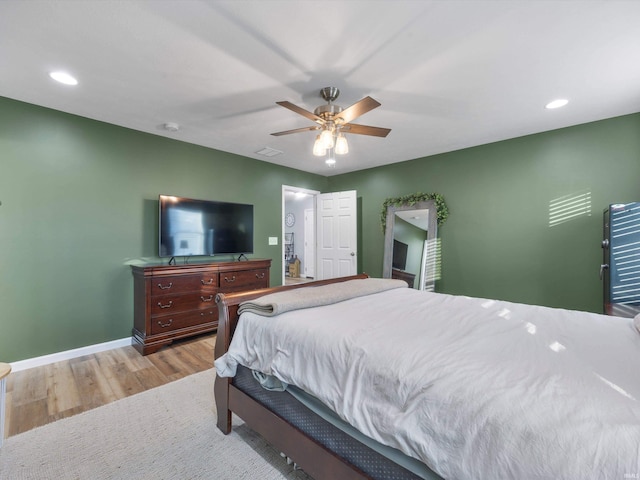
(201, 227)
(399, 255)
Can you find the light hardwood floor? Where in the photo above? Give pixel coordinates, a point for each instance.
(41, 395)
(296, 280)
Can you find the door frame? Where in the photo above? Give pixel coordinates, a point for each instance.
(312, 193)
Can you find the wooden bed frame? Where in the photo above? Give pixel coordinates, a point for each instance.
(315, 459)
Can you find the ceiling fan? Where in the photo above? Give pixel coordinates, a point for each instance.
(334, 121)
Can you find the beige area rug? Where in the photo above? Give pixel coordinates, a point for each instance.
(168, 432)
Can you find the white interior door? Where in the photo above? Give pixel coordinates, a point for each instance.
(309, 243)
(337, 235)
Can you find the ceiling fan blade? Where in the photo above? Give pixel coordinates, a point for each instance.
(359, 108)
(297, 130)
(301, 111)
(365, 130)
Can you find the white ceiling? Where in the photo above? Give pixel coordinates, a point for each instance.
(418, 218)
(449, 74)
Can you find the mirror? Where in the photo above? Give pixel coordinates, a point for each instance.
(410, 244)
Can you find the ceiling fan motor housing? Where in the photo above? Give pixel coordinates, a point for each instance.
(328, 111)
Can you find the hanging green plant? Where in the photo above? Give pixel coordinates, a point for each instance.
(412, 199)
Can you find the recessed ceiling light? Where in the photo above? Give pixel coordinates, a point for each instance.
(63, 77)
(561, 102)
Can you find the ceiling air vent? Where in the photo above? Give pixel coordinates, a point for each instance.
(269, 152)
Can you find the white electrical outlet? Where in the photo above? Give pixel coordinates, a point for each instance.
(273, 240)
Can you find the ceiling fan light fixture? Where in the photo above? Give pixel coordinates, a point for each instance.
(330, 120)
(342, 147)
(326, 137)
(319, 149)
(331, 162)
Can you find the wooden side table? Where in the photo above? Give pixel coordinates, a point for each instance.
(5, 369)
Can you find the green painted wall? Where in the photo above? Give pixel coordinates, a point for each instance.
(498, 242)
(79, 204)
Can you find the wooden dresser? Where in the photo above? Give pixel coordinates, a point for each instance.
(410, 278)
(178, 301)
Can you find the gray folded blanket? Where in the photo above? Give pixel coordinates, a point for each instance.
(307, 297)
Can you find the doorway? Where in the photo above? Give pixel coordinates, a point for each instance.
(319, 234)
(298, 234)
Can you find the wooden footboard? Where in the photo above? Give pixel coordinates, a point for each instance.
(315, 459)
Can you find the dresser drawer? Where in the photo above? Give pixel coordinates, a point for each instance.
(169, 323)
(184, 283)
(244, 280)
(168, 304)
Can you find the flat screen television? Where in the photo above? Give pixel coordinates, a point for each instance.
(202, 227)
(400, 249)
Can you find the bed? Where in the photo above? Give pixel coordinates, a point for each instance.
(459, 387)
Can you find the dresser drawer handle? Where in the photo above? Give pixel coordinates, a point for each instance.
(162, 287)
(168, 305)
(260, 275)
(229, 280)
(206, 299)
(202, 314)
(210, 282)
(165, 325)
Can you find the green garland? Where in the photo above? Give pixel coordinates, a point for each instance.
(412, 199)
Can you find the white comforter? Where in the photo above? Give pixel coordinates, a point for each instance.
(474, 388)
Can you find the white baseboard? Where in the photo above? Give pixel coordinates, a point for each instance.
(68, 354)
